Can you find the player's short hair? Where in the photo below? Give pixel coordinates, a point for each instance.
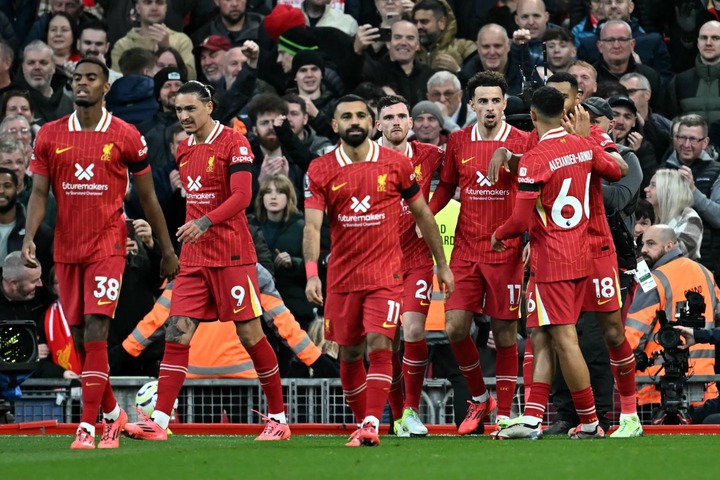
(548, 102)
(134, 61)
(350, 99)
(13, 175)
(643, 210)
(436, 7)
(297, 100)
(487, 79)
(95, 61)
(282, 185)
(266, 103)
(204, 92)
(390, 100)
(9, 143)
(693, 120)
(562, 77)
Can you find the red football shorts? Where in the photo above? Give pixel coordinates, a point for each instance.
(417, 289)
(228, 294)
(350, 316)
(90, 288)
(554, 303)
(492, 289)
(602, 293)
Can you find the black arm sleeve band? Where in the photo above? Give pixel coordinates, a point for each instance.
(240, 167)
(138, 166)
(529, 187)
(410, 192)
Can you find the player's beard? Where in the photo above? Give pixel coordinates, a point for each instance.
(354, 140)
(84, 102)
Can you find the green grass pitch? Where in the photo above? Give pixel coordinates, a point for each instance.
(325, 457)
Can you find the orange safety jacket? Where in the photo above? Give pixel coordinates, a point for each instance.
(674, 275)
(215, 349)
(60, 340)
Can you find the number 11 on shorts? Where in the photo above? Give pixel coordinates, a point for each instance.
(393, 314)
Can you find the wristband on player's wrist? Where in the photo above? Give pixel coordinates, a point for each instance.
(311, 270)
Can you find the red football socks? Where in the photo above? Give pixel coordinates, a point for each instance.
(528, 364)
(622, 362)
(537, 401)
(395, 396)
(413, 366)
(268, 372)
(173, 370)
(353, 378)
(505, 377)
(584, 405)
(468, 360)
(379, 379)
(95, 375)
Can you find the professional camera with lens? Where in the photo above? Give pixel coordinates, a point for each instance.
(675, 361)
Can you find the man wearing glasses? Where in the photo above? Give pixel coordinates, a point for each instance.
(700, 168)
(444, 89)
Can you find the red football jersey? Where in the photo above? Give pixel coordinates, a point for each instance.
(363, 205)
(205, 170)
(561, 166)
(426, 159)
(483, 206)
(88, 172)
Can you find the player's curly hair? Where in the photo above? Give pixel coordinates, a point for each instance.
(487, 79)
(548, 102)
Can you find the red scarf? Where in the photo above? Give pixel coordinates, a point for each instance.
(59, 339)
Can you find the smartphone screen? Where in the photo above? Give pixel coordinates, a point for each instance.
(385, 34)
(130, 228)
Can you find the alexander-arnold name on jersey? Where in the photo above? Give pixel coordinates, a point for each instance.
(570, 159)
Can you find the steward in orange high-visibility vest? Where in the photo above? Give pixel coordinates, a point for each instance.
(215, 349)
(674, 275)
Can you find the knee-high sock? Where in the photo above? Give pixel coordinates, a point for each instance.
(414, 364)
(528, 361)
(622, 362)
(353, 378)
(95, 377)
(537, 400)
(173, 370)
(506, 377)
(268, 372)
(468, 360)
(379, 379)
(585, 405)
(395, 396)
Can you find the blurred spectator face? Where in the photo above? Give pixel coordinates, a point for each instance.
(447, 94)
(429, 27)
(24, 288)
(618, 9)
(639, 95)
(427, 128)
(296, 118)
(493, 48)
(93, 43)
(385, 7)
(616, 44)
(60, 37)
(394, 122)
(21, 129)
(168, 92)
(531, 15)
(488, 103)
(177, 138)
(651, 193)
(19, 106)
(560, 54)
(689, 143)
(232, 11)
(38, 68)
(274, 201)
(212, 65)
(642, 224)
(265, 132)
(151, 11)
(597, 9)
(308, 79)
(404, 42)
(285, 61)
(586, 78)
(624, 122)
(604, 123)
(234, 59)
(14, 161)
(72, 7)
(8, 193)
(709, 43)
(166, 59)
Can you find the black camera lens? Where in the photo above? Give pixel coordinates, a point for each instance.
(668, 337)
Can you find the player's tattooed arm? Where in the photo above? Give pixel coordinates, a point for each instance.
(180, 329)
(193, 230)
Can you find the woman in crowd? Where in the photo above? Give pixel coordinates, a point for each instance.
(17, 102)
(670, 195)
(61, 38)
(169, 57)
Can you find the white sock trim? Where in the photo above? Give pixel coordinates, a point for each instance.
(278, 417)
(161, 419)
(113, 415)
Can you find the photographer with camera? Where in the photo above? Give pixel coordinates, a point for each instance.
(708, 412)
(667, 292)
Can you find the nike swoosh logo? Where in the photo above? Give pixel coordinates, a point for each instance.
(603, 302)
(101, 302)
(388, 325)
(335, 188)
(424, 304)
(625, 373)
(92, 384)
(512, 309)
(466, 160)
(238, 310)
(184, 163)
(58, 151)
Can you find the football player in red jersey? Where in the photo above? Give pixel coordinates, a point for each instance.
(85, 157)
(554, 179)
(394, 122)
(361, 184)
(488, 282)
(218, 279)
